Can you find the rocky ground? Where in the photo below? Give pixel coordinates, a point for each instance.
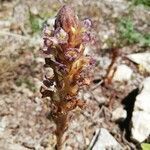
(117, 115)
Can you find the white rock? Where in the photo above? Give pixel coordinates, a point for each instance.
(123, 73)
(146, 85)
(141, 115)
(5, 23)
(143, 59)
(3, 124)
(104, 140)
(34, 10)
(141, 125)
(118, 113)
(143, 102)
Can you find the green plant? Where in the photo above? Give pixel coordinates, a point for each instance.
(29, 84)
(145, 146)
(142, 2)
(35, 22)
(129, 35)
(64, 50)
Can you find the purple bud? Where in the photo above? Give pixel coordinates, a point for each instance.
(47, 31)
(71, 54)
(87, 23)
(61, 67)
(47, 42)
(54, 40)
(86, 37)
(59, 64)
(70, 58)
(92, 62)
(74, 49)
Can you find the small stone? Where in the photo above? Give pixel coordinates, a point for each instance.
(141, 115)
(140, 125)
(118, 114)
(34, 10)
(104, 140)
(142, 101)
(142, 59)
(3, 124)
(5, 24)
(123, 73)
(87, 141)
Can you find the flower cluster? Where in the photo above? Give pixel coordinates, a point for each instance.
(64, 52)
(64, 48)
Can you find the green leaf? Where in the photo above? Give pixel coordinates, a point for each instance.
(142, 2)
(36, 23)
(129, 34)
(145, 146)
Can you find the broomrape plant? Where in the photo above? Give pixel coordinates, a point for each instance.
(64, 52)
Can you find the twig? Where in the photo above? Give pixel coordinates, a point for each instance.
(111, 68)
(97, 85)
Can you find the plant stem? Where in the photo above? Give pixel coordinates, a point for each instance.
(61, 125)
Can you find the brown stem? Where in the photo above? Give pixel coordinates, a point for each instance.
(61, 125)
(111, 68)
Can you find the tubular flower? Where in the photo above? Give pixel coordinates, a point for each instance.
(64, 48)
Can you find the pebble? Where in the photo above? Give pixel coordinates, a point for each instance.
(123, 73)
(119, 113)
(141, 114)
(103, 140)
(142, 59)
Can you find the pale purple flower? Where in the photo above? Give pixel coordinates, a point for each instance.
(86, 37)
(71, 54)
(87, 23)
(61, 36)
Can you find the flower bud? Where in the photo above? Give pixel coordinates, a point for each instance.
(66, 19)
